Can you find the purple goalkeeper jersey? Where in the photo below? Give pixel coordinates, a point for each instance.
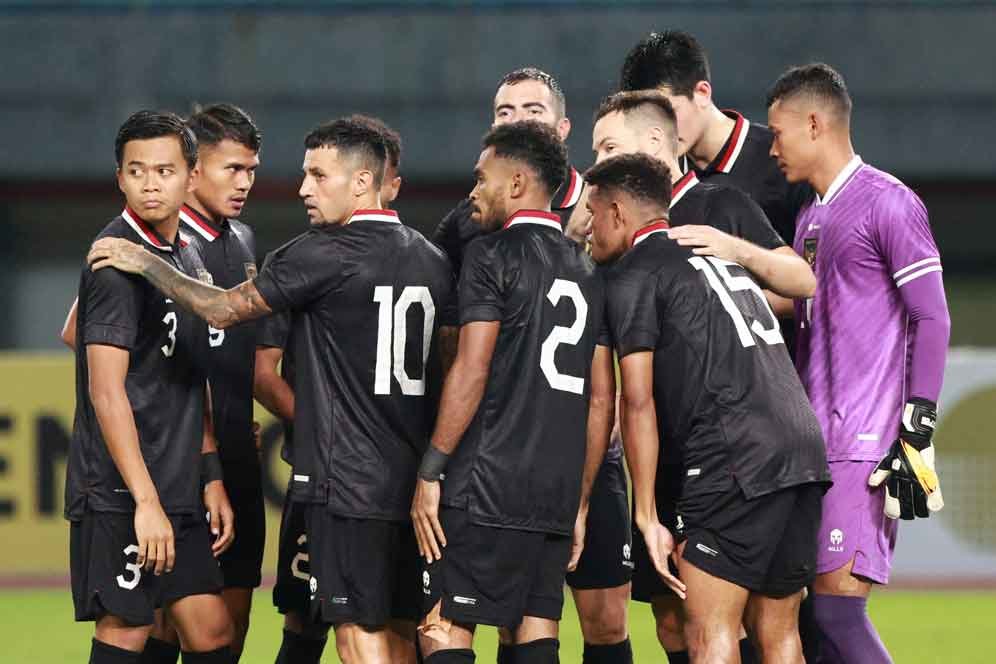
(865, 239)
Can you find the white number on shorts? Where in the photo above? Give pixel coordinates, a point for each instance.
(564, 335)
(392, 337)
(301, 557)
(170, 320)
(136, 570)
(710, 266)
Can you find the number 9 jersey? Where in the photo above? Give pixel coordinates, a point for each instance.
(520, 461)
(730, 407)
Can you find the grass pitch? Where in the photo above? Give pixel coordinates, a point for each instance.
(918, 627)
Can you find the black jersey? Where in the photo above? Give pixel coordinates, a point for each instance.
(228, 252)
(366, 300)
(725, 208)
(729, 404)
(165, 383)
(457, 228)
(519, 463)
(745, 163)
(274, 332)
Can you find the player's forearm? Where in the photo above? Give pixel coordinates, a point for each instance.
(208, 441)
(220, 308)
(782, 307)
(449, 337)
(274, 394)
(117, 424)
(639, 432)
(601, 417)
(781, 270)
(462, 394)
(68, 334)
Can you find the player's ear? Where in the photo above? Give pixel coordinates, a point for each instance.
(655, 141)
(702, 94)
(563, 128)
(120, 175)
(193, 176)
(517, 184)
(362, 181)
(815, 123)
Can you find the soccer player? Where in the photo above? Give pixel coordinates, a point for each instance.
(736, 229)
(514, 417)
(706, 380)
(368, 296)
(138, 538)
(872, 345)
(303, 638)
(600, 584)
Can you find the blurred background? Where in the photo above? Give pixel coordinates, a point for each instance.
(920, 72)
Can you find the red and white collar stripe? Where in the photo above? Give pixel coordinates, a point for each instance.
(575, 185)
(390, 216)
(651, 229)
(534, 217)
(144, 230)
(682, 186)
(197, 223)
(735, 143)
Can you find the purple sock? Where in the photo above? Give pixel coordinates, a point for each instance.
(847, 636)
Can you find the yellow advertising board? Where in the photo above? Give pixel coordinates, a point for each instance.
(37, 401)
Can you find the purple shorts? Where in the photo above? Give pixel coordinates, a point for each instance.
(854, 525)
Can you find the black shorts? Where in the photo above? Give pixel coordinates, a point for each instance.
(242, 563)
(647, 583)
(767, 545)
(606, 561)
(105, 579)
(496, 576)
(291, 591)
(363, 571)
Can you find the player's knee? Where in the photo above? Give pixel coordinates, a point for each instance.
(605, 625)
(670, 629)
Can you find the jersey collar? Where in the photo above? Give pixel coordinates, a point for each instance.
(570, 192)
(727, 157)
(199, 223)
(841, 181)
(659, 226)
(390, 216)
(147, 232)
(682, 186)
(534, 217)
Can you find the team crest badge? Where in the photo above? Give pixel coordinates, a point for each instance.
(205, 276)
(809, 251)
(250, 270)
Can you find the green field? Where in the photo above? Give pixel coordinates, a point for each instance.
(918, 627)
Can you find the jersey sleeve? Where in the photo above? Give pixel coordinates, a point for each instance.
(298, 272)
(112, 302)
(481, 296)
(742, 214)
(273, 331)
(902, 233)
(633, 321)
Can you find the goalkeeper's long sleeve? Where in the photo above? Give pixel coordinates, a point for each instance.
(930, 331)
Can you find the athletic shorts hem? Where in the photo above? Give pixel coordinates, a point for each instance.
(875, 575)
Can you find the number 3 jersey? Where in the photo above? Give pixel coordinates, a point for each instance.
(520, 461)
(366, 300)
(730, 407)
(167, 348)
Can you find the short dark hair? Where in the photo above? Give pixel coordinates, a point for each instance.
(213, 124)
(355, 135)
(639, 175)
(627, 102)
(156, 124)
(535, 144)
(392, 139)
(534, 74)
(817, 80)
(672, 58)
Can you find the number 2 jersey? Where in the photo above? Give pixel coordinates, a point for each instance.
(520, 461)
(366, 300)
(167, 370)
(729, 404)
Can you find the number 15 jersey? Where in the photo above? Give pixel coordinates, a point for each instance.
(366, 300)
(520, 461)
(729, 404)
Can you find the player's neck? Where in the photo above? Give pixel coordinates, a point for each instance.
(167, 228)
(834, 160)
(528, 204)
(717, 131)
(201, 209)
(672, 165)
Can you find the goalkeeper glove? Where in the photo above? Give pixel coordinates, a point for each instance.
(912, 488)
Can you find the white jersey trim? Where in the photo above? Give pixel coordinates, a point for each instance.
(840, 181)
(194, 226)
(918, 264)
(535, 220)
(919, 273)
(643, 237)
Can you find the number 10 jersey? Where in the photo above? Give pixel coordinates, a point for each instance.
(519, 463)
(366, 300)
(730, 407)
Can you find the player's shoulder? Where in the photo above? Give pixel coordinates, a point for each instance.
(427, 249)
(884, 192)
(118, 227)
(242, 230)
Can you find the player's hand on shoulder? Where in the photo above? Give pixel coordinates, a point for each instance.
(708, 241)
(156, 546)
(912, 487)
(425, 519)
(220, 515)
(118, 253)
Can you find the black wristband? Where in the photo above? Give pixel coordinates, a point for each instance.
(433, 464)
(917, 425)
(210, 468)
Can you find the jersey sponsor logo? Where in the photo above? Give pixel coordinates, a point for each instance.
(836, 541)
(469, 601)
(707, 550)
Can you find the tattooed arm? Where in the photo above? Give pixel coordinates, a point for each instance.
(220, 308)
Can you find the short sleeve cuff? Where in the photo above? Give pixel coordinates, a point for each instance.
(109, 335)
(479, 313)
(271, 293)
(635, 342)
